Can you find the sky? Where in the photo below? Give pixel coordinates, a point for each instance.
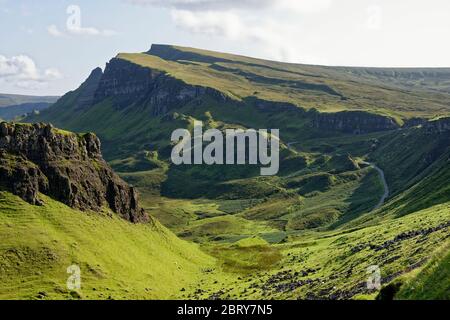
(50, 47)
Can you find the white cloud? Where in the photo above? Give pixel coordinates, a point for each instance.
(302, 6)
(275, 39)
(210, 22)
(52, 73)
(90, 31)
(21, 66)
(80, 31)
(74, 26)
(22, 72)
(54, 31)
(272, 26)
(306, 6)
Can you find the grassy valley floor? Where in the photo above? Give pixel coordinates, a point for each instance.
(120, 260)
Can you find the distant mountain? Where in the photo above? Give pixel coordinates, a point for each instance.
(14, 99)
(12, 105)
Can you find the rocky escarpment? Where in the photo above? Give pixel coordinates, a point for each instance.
(37, 158)
(438, 126)
(128, 83)
(355, 122)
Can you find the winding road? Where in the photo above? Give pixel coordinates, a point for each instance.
(385, 185)
(379, 170)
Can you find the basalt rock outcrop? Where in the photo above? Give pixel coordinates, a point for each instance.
(355, 122)
(438, 126)
(128, 83)
(37, 158)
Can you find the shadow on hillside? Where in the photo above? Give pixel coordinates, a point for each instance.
(362, 200)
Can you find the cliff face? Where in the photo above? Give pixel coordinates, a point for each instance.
(356, 122)
(124, 85)
(37, 158)
(438, 126)
(129, 83)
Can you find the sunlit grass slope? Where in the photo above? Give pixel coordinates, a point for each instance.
(333, 265)
(117, 259)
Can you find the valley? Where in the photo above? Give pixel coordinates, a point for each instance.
(362, 181)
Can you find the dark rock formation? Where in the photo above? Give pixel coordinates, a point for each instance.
(438, 126)
(37, 158)
(128, 83)
(274, 106)
(414, 122)
(355, 122)
(89, 88)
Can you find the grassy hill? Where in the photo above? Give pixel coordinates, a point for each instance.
(430, 282)
(312, 230)
(118, 259)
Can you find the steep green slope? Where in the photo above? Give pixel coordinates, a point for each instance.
(320, 265)
(118, 259)
(121, 260)
(432, 282)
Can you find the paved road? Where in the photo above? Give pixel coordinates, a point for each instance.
(383, 179)
(380, 172)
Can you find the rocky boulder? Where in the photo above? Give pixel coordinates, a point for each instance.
(37, 158)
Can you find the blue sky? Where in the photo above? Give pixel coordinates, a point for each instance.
(41, 55)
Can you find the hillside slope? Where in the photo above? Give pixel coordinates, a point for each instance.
(432, 282)
(118, 260)
(317, 214)
(121, 260)
(62, 205)
(139, 99)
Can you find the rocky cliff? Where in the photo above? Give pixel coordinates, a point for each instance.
(128, 83)
(37, 158)
(438, 126)
(356, 122)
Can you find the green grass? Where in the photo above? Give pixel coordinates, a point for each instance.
(432, 282)
(118, 259)
(314, 219)
(330, 264)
